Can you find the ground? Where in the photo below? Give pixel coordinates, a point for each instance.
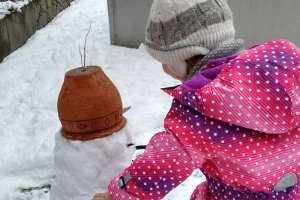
(30, 81)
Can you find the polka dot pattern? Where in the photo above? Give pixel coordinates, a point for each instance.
(263, 80)
(241, 157)
(237, 121)
(216, 190)
(164, 165)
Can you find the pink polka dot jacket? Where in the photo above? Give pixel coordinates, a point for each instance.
(238, 122)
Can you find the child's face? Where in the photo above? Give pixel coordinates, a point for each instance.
(167, 71)
(190, 64)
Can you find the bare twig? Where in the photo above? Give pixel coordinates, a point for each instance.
(83, 55)
(85, 42)
(80, 55)
(30, 189)
(126, 109)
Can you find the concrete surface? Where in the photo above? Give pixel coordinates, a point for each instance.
(256, 20)
(127, 21)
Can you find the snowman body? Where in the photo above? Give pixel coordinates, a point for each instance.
(84, 168)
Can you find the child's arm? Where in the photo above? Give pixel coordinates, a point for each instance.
(163, 166)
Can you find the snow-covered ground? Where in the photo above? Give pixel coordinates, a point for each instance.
(30, 81)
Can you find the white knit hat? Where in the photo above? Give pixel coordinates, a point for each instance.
(180, 29)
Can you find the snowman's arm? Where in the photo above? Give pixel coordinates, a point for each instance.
(164, 165)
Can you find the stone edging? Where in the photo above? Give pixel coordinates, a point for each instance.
(17, 27)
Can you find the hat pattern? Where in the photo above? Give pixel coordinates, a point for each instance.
(180, 29)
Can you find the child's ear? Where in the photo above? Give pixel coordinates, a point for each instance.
(287, 181)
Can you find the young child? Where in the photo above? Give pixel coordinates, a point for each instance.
(235, 117)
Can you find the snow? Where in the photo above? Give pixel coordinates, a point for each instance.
(30, 81)
(83, 168)
(8, 5)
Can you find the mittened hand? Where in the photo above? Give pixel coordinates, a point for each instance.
(287, 181)
(102, 196)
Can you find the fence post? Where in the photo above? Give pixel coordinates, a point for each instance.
(127, 21)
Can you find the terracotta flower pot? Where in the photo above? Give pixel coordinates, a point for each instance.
(89, 105)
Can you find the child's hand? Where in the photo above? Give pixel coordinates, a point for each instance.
(102, 196)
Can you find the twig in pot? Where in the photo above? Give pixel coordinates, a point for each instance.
(83, 57)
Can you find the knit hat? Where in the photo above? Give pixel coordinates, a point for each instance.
(180, 29)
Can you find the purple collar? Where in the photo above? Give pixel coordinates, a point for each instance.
(214, 67)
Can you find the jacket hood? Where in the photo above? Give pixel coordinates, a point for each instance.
(258, 89)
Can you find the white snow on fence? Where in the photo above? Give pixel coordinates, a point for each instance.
(7, 6)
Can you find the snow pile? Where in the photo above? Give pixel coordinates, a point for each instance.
(8, 6)
(30, 81)
(83, 168)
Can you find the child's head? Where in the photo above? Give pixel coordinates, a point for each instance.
(181, 31)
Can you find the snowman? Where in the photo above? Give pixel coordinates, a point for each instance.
(94, 143)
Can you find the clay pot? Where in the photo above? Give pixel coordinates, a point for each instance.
(89, 105)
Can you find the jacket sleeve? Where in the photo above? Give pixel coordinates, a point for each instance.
(164, 165)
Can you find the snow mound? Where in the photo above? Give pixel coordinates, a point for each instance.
(84, 168)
